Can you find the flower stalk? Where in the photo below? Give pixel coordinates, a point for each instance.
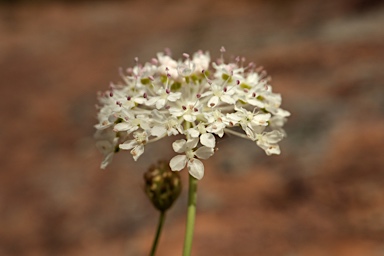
(191, 214)
(158, 232)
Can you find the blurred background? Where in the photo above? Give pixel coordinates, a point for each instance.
(323, 195)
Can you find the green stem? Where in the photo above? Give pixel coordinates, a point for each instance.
(192, 197)
(158, 232)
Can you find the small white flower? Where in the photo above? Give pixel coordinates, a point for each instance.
(164, 95)
(132, 124)
(268, 141)
(206, 139)
(163, 126)
(137, 144)
(201, 61)
(248, 120)
(219, 94)
(188, 111)
(195, 166)
(106, 142)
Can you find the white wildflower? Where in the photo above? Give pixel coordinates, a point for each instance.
(195, 98)
(195, 166)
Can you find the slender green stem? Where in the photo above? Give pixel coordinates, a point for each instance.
(192, 197)
(158, 232)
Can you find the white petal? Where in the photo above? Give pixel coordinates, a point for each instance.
(250, 133)
(172, 131)
(196, 168)
(128, 144)
(216, 127)
(140, 100)
(104, 146)
(107, 160)
(206, 93)
(228, 99)
(173, 96)
(176, 112)
(178, 162)
(158, 131)
(157, 115)
(274, 136)
(189, 118)
(192, 143)
(255, 102)
(160, 103)
(179, 146)
(144, 125)
(273, 150)
(193, 132)
(209, 116)
(207, 139)
(234, 117)
(122, 127)
(213, 101)
(282, 112)
(204, 152)
(137, 151)
(277, 121)
(262, 119)
(152, 101)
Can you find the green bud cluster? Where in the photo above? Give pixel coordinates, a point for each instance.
(162, 185)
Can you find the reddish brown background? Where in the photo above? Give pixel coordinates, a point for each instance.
(323, 196)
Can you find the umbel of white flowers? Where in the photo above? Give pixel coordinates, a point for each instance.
(194, 97)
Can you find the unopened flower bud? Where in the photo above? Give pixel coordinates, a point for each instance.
(162, 185)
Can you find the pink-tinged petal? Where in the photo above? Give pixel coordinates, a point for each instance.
(207, 139)
(204, 152)
(196, 168)
(178, 162)
(179, 146)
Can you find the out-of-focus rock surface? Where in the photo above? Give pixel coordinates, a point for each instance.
(323, 196)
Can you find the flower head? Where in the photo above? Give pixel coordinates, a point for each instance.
(192, 97)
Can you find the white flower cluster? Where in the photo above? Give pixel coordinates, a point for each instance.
(165, 97)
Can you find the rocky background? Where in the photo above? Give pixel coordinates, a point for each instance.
(323, 196)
